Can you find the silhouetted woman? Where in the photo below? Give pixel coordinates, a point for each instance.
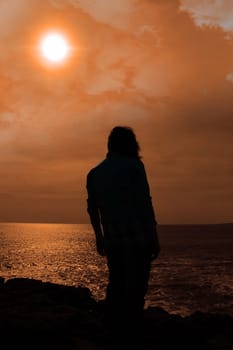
(124, 222)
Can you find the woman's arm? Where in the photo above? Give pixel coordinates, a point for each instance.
(146, 210)
(93, 211)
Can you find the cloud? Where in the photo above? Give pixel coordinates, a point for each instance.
(14, 13)
(229, 77)
(213, 13)
(114, 13)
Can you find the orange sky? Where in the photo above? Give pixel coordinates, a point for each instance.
(163, 67)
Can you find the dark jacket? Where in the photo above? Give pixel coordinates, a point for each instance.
(119, 198)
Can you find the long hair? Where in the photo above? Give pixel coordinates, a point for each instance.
(122, 140)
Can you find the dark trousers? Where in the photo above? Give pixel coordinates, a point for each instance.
(129, 271)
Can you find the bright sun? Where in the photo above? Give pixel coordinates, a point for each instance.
(54, 47)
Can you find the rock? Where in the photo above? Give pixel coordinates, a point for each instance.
(41, 315)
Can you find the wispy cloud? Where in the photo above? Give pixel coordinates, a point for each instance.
(213, 13)
(114, 13)
(229, 77)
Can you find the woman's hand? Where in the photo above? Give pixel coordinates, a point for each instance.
(155, 252)
(155, 245)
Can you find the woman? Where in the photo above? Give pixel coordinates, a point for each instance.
(122, 216)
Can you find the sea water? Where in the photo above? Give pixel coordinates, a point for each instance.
(194, 271)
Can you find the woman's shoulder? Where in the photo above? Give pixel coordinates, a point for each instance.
(138, 163)
(124, 162)
(96, 168)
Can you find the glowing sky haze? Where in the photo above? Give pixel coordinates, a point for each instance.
(163, 67)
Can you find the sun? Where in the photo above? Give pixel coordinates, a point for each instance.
(54, 47)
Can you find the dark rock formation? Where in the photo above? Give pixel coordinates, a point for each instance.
(41, 315)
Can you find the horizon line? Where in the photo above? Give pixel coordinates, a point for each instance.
(88, 223)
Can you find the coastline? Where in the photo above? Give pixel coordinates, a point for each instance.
(36, 314)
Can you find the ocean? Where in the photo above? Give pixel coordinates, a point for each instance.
(194, 271)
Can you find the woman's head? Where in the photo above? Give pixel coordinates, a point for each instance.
(122, 140)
